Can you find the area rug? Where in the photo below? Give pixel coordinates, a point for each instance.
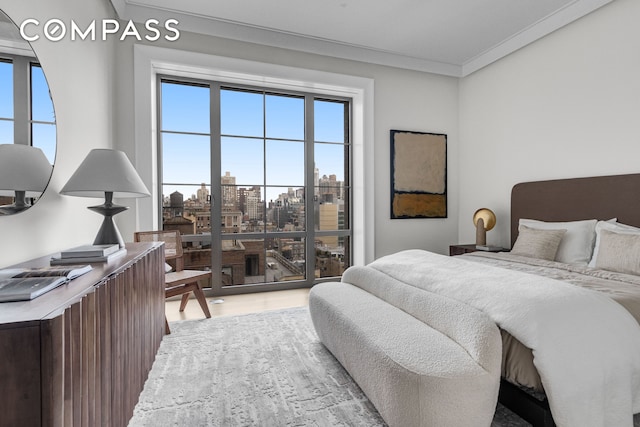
(266, 369)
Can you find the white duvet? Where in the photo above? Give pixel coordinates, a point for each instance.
(586, 346)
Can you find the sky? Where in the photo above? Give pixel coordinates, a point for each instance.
(254, 127)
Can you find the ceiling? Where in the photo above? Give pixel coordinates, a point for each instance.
(450, 37)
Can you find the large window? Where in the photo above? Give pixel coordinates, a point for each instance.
(257, 181)
(26, 119)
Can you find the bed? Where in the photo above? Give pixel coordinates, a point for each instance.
(602, 197)
(534, 383)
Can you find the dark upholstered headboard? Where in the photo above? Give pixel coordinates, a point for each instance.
(600, 197)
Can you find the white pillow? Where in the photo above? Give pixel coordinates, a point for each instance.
(576, 246)
(616, 227)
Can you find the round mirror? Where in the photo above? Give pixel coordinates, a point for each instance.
(27, 123)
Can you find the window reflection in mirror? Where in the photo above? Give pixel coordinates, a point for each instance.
(26, 111)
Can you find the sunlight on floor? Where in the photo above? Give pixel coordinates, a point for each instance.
(240, 304)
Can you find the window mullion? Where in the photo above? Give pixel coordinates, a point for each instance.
(21, 103)
(309, 192)
(264, 162)
(216, 187)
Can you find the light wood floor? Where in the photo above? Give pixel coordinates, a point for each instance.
(239, 304)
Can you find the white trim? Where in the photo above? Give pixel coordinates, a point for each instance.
(127, 9)
(16, 48)
(149, 61)
(296, 42)
(549, 24)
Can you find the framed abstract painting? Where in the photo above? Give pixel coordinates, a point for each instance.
(418, 175)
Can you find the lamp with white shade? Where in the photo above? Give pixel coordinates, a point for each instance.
(108, 173)
(24, 173)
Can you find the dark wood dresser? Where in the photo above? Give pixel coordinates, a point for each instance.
(79, 355)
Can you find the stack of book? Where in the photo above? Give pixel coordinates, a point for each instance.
(89, 253)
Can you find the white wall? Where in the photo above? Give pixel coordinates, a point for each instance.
(419, 102)
(80, 77)
(566, 106)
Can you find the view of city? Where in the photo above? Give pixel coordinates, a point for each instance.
(263, 152)
(245, 211)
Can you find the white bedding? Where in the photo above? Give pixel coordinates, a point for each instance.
(586, 347)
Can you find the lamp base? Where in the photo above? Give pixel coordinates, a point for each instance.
(20, 204)
(13, 209)
(481, 233)
(108, 233)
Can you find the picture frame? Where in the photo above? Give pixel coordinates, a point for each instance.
(418, 174)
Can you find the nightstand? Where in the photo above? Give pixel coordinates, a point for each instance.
(465, 249)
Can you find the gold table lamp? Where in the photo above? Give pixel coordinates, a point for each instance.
(484, 219)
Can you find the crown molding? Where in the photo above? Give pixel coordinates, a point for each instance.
(540, 29)
(129, 10)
